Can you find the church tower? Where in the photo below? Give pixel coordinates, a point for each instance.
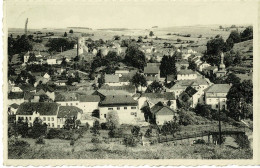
(80, 45)
(222, 65)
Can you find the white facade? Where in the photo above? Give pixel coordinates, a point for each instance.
(127, 114)
(17, 101)
(16, 89)
(217, 103)
(186, 76)
(88, 107)
(50, 120)
(51, 61)
(161, 119)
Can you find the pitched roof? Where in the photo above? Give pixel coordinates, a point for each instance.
(190, 91)
(40, 92)
(89, 98)
(210, 68)
(112, 92)
(218, 88)
(160, 109)
(186, 72)
(118, 100)
(111, 78)
(151, 69)
(68, 111)
(28, 95)
(66, 96)
(43, 108)
(15, 95)
(165, 95)
(14, 105)
(182, 62)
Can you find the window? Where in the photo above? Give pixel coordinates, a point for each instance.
(71, 104)
(134, 113)
(44, 118)
(216, 106)
(125, 108)
(52, 118)
(30, 118)
(110, 108)
(52, 124)
(48, 118)
(118, 108)
(58, 126)
(105, 115)
(133, 107)
(49, 124)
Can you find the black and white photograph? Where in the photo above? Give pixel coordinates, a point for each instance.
(130, 80)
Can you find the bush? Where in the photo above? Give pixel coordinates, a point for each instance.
(186, 118)
(130, 141)
(72, 142)
(178, 40)
(95, 140)
(40, 140)
(115, 133)
(104, 126)
(53, 133)
(135, 130)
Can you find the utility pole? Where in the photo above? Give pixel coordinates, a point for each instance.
(219, 123)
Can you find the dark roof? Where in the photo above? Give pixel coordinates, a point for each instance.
(27, 87)
(43, 108)
(190, 91)
(165, 95)
(118, 100)
(160, 109)
(89, 98)
(68, 111)
(186, 71)
(66, 96)
(14, 105)
(15, 95)
(218, 88)
(28, 95)
(40, 92)
(210, 68)
(182, 62)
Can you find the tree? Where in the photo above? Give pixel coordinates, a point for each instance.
(220, 27)
(71, 31)
(215, 46)
(229, 44)
(185, 118)
(135, 57)
(170, 127)
(247, 34)
(112, 120)
(232, 79)
(32, 57)
(117, 37)
(39, 128)
(65, 34)
(192, 65)
(228, 59)
(203, 110)
(235, 36)
(140, 39)
(135, 130)
(154, 87)
(151, 33)
(139, 80)
(168, 67)
(238, 58)
(60, 44)
(101, 80)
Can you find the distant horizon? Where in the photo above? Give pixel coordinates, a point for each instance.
(130, 15)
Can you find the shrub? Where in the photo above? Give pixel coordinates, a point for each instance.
(104, 126)
(115, 133)
(40, 140)
(186, 118)
(95, 140)
(53, 133)
(72, 142)
(178, 40)
(130, 141)
(148, 133)
(135, 130)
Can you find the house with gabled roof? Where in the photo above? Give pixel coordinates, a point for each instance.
(125, 106)
(163, 113)
(152, 72)
(186, 74)
(15, 97)
(216, 96)
(182, 64)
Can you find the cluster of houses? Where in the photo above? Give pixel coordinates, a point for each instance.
(53, 107)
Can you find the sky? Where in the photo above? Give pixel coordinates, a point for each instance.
(111, 14)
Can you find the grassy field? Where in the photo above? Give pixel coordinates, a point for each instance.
(84, 149)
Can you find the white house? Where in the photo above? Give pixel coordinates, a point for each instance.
(66, 112)
(203, 66)
(16, 89)
(215, 96)
(88, 103)
(162, 113)
(51, 61)
(124, 105)
(186, 75)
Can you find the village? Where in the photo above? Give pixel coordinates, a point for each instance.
(133, 88)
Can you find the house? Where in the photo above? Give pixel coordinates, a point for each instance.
(46, 76)
(51, 61)
(186, 74)
(61, 82)
(67, 112)
(15, 89)
(102, 93)
(162, 113)
(153, 98)
(12, 109)
(112, 80)
(152, 72)
(202, 66)
(26, 57)
(15, 97)
(210, 70)
(121, 72)
(182, 64)
(190, 96)
(88, 103)
(47, 112)
(215, 96)
(124, 105)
